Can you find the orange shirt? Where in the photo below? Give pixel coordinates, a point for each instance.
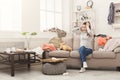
(102, 41)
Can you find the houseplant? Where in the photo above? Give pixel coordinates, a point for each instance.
(28, 36)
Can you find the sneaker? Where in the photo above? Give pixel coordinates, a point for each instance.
(85, 65)
(82, 70)
(66, 73)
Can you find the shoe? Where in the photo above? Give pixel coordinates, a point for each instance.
(66, 73)
(85, 65)
(82, 70)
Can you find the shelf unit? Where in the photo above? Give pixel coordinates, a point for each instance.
(81, 16)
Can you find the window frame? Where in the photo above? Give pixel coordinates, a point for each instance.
(53, 12)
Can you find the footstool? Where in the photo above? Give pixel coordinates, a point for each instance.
(54, 67)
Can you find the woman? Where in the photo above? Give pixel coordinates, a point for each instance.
(85, 44)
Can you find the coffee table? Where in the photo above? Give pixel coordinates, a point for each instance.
(10, 59)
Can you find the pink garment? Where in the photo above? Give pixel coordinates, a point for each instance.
(48, 46)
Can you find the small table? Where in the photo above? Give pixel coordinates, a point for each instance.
(10, 59)
(54, 66)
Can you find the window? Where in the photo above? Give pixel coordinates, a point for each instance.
(10, 15)
(50, 14)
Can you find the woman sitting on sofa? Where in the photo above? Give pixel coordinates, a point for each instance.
(85, 43)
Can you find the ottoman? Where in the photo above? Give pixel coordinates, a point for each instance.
(54, 68)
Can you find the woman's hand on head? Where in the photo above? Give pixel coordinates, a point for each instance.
(87, 24)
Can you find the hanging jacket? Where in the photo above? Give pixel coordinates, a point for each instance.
(111, 13)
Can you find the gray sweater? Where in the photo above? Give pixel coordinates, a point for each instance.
(85, 40)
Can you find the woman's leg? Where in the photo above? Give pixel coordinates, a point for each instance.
(82, 57)
(88, 51)
(82, 52)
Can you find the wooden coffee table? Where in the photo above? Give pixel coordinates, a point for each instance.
(10, 59)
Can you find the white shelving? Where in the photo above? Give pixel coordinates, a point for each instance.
(81, 16)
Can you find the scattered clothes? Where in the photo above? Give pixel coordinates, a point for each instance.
(48, 46)
(102, 40)
(38, 50)
(111, 13)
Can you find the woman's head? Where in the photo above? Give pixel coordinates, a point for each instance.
(85, 25)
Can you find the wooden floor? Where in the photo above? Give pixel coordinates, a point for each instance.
(73, 74)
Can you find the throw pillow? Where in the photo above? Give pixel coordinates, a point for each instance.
(115, 43)
(56, 41)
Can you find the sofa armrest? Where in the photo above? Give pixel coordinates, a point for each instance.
(117, 50)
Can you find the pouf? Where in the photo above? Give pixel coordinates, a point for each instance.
(54, 68)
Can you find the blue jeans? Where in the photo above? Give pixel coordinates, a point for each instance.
(83, 51)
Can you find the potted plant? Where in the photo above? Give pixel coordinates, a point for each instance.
(28, 36)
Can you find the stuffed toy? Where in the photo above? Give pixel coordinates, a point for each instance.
(65, 47)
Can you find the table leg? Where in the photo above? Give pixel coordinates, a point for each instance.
(34, 57)
(28, 61)
(12, 65)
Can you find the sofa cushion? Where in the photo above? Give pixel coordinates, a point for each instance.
(59, 53)
(104, 55)
(76, 41)
(68, 41)
(75, 54)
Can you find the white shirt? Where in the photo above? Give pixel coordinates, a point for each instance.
(85, 40)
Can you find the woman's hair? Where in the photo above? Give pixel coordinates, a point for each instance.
(85, 23)
(89, 24)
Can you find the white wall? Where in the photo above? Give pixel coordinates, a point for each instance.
(31, 15)
(101, 8)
